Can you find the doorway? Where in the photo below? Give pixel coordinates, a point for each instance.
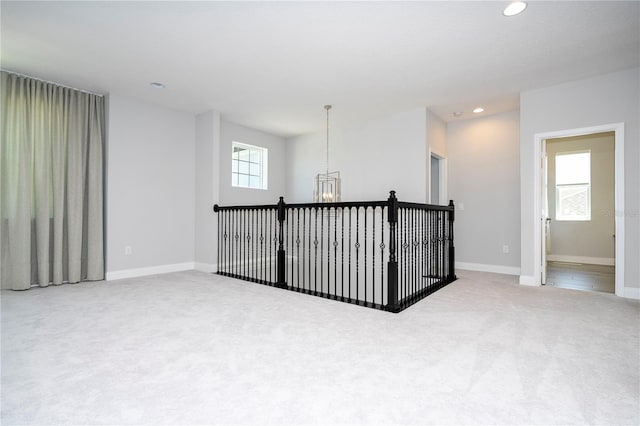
(540, 204)
(579, 228)
(437, 179)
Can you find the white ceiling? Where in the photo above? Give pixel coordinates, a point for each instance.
(273, 65)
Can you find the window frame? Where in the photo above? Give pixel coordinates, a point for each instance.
(262, 154)
(563, 186)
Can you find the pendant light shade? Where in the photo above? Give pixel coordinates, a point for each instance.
(327, 188)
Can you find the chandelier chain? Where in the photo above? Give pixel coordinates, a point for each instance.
(327, 107)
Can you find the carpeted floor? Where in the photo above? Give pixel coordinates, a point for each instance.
(194, 348)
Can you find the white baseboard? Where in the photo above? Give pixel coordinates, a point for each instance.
(152, 270)
(581, 259)
(498, 269)
(631, 293)
(205, 267)
(528, 280)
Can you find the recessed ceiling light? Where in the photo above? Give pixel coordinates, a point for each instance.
(157, 85)
(514, 8)
(478, 110)
(457, 114)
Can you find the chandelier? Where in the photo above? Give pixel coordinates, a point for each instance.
(327, 184)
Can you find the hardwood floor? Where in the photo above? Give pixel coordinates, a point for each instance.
(579, 276)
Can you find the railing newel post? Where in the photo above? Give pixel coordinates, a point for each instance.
(452, 250)
(412, 272)
(392, 265)
(281, 256)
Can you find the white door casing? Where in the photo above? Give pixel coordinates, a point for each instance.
(539, 141)
(442, 179)
(544, 216)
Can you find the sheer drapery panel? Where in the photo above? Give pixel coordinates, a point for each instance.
(52, 183)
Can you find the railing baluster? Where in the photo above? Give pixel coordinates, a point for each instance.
(304, 225)
(255, 237)
(248, 251)
(432, 245)
(409, 251)
(349, 269)
(299, 265)
(236, 244)
(248, 245)
(382, 256)
(243, 239)
(342, 253)
(309, 264)
(254, 245)
(256, 242)
(290, 249)
(282, 216)
(241, 242)
(335, 252)
(259, 245)
(329, 251)
(373, 257)
(266, 258)
(219, 250)
(219, 260)
(236, 252)
(270, 242)
(400, 257)
(315, 253)
(442, 246)
(365, 254)
(321, 249)
(405, 257)
(423, 272)
(358, 253)
(414, 261)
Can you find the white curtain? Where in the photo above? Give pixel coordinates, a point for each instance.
(52, 183)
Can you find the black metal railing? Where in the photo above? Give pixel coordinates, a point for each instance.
(381, 254)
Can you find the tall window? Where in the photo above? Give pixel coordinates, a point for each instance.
(248, 166)
(573, 186)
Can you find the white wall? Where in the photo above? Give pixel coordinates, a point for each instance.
(229, 195)
(373, 158)
(436, 145)
(484, 180)
(150, 186)
(592, 238)
(607, 99)
(207, 188)
(436, 134)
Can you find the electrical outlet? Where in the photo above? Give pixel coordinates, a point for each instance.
(128, 250)
(505, 249)
(460, 206)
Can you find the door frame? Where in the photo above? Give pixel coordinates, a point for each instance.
(539, 140)
(442, 174)
(544, 209)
